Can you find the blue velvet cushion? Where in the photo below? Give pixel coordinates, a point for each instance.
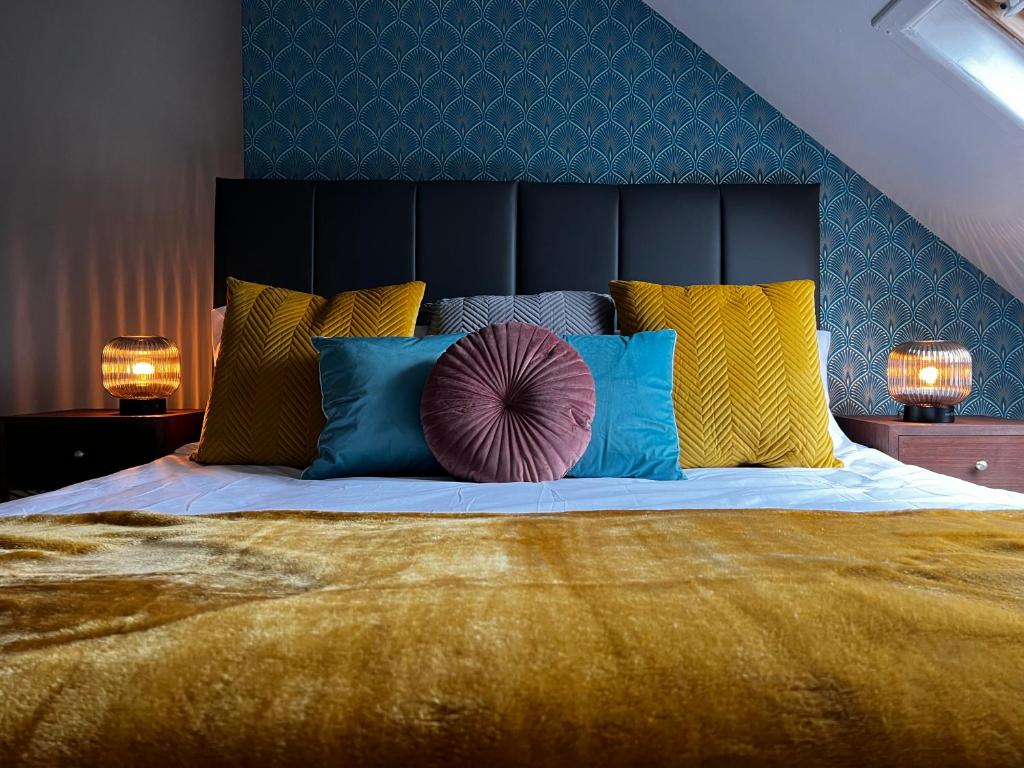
(371, 397)
(372, 390)
(634, 431)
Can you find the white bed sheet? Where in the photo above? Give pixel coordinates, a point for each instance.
(870, 481)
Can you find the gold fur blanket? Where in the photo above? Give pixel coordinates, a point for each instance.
(594, 639)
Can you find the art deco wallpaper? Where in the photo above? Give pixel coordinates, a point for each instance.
(604, 91)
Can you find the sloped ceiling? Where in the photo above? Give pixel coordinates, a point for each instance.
(914, 130)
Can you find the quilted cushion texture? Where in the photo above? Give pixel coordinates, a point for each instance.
(510, 403)
(562, 312)
(747, 388)
(265, 406)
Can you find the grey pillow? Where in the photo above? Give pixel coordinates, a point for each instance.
(563, 312)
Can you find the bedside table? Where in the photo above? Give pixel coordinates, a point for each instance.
(980, 449)
(46, 451)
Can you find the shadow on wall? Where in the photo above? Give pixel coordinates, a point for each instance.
(114, 133)
(86, 260)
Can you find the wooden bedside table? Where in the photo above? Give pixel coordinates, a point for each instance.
(980, 449)
(46, 451)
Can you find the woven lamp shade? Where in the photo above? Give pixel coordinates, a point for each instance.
(141, 367)
(929, 375)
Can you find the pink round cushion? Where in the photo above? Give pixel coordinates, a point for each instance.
(509, 403)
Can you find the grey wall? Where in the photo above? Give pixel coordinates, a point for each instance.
(117, 116)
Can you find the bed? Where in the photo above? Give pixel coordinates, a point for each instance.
(869, 481)
(178, 614)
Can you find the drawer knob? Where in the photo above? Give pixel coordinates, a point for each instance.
(981, 465)
(79, 454)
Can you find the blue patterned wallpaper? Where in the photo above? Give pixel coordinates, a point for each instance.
(603, 91)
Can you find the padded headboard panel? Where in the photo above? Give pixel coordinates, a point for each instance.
(467, 238)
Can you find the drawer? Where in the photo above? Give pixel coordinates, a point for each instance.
(42, 455)
(960, 457)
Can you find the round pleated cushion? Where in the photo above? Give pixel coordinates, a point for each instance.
(509, 403)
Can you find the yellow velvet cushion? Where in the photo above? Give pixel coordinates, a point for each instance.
(265, 404)
(746, 388)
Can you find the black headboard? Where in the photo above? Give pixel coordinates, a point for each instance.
(468, 238)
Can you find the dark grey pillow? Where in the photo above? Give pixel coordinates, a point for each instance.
(563, 312)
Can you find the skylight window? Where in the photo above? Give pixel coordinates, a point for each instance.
(963, 35)
(1008, 14)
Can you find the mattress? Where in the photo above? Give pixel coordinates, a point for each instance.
(869, 481)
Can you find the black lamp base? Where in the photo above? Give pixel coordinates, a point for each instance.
(143, 407)
(929, 414)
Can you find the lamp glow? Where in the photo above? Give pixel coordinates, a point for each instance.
(929, 374)
(141, 371)
(929, 377)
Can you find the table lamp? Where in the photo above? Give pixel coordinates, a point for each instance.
(141, 371)
(929, 377)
